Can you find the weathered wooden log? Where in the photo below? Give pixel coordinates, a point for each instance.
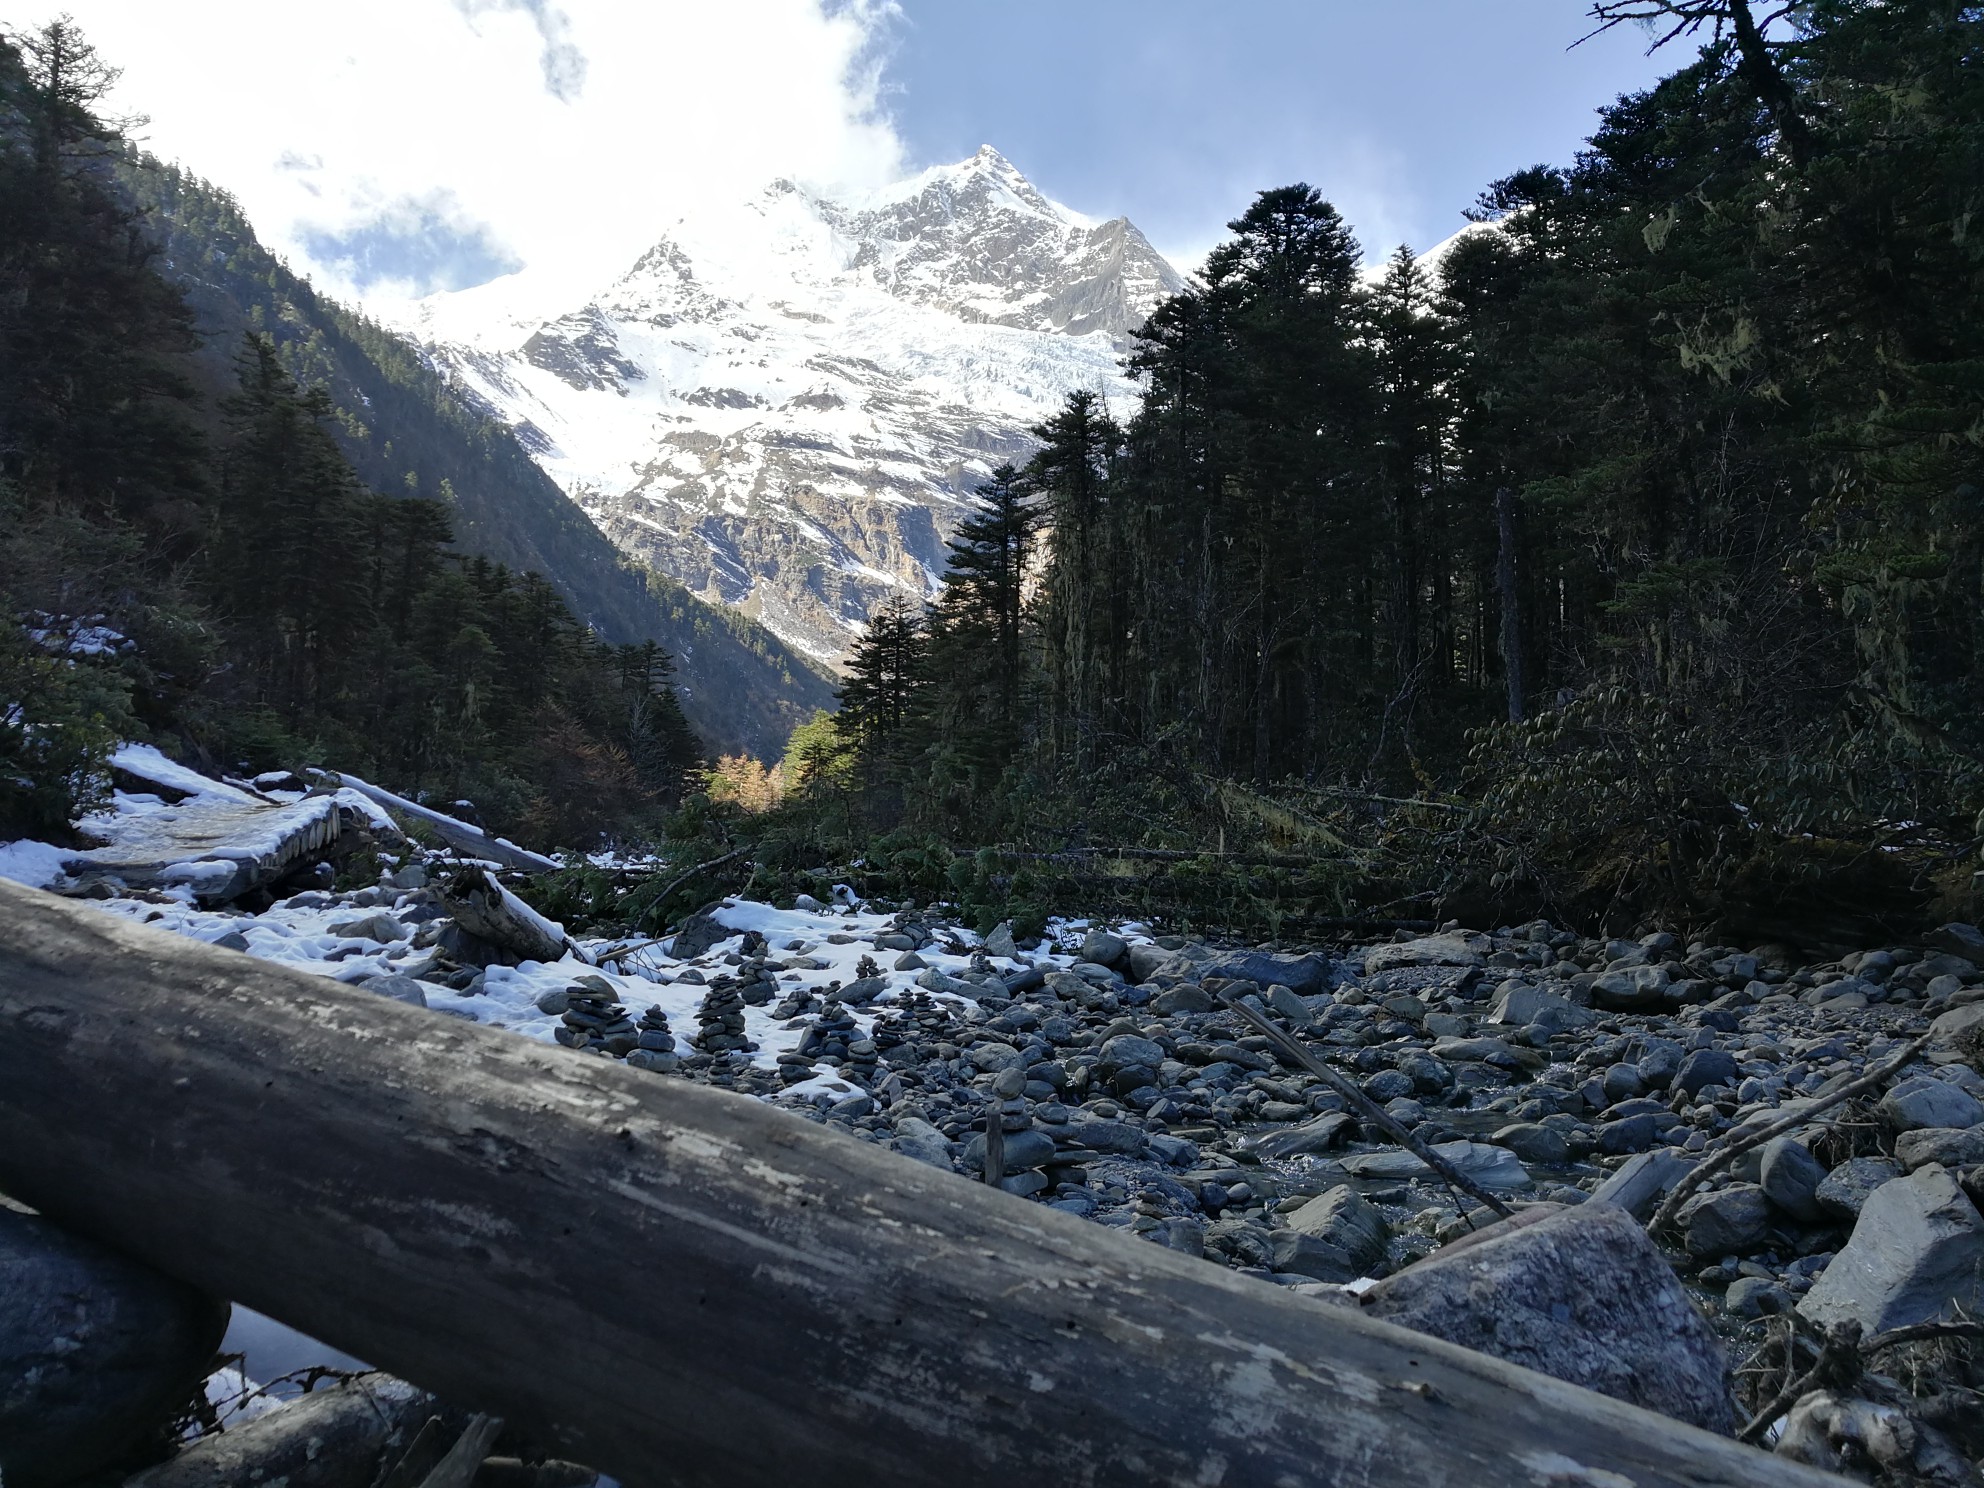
(682, 1285)
(468, 840)
(484, 908)
(354, 1434)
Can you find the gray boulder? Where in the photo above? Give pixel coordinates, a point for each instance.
(97, 1352)
(1790, 1177)
(1848, 1186)
(1753, 1296)
(1706, 1067)
(1926, 1101)
(860, 991)
(1104, 949)
(1962, 940)
(1187, 998)
(1960, 1031)
(1282, 1000)
(1916, 1254)
(1023, 1150)
(697, 934)
(1582, 1295)
(1098, 1135)
(1130, 1049)
(1632, 989)
(917, 1138)
(1642, 1181)
(1534, 1143)
(380, 927)
(1952, 1147)
(1300, 1254)
(1524, 1006)
(1303, 975)
(1001, 943)
(1350, 1236)
(1729, 1221)
(1454, 948)
(399, 988)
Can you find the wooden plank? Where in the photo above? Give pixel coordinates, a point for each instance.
(683, 1285)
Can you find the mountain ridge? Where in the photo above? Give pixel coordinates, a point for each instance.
(404, 427)
(786, 404)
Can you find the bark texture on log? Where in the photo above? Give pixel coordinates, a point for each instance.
(682, 1285)
(356, 1434)
(479, 905)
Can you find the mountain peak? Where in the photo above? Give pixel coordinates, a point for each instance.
(787, 403)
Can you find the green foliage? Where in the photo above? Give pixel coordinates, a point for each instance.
(1677, 461)
(57, 729)
(406, 430)
(231, 580)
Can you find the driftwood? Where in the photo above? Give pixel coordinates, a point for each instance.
(460, 836)
(368, 1430)
(485, 909)
(680, 1284)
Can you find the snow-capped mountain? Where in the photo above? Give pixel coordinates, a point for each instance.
(786, 406)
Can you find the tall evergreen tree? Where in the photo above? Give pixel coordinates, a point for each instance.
(885, 679)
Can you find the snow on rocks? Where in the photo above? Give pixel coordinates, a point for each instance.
(1100, 1071)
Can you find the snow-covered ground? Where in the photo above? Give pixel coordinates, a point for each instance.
(358, 937)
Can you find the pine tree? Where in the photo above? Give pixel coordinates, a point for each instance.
(885, 677)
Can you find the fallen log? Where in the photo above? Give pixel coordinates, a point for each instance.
(356, 1434)
(683, 1285)
(460, 836)
(485, 909)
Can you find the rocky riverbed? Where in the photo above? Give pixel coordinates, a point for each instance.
(1106, 1071)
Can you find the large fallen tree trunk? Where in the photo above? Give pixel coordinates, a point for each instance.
(676, 1284)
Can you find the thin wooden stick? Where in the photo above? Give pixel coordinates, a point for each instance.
(1692, 1183)
(1368, 1108)
(1839, 1359)
(1921, 1333)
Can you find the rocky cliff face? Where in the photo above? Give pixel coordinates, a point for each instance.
(787, 406)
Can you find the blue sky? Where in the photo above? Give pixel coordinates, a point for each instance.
(1174, 112)
(405, 146)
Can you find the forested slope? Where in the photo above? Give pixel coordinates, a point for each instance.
(1629, 558)
(406, 431)
(187, 553)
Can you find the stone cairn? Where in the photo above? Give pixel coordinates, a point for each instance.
(917, 1018)
(595, 1019)
(720, 1021)
(860, 1065)
(797, 1001)
(757, 983)
(654, 1043)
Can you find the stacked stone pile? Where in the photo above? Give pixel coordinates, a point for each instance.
(593, 1018)
(720, 1021)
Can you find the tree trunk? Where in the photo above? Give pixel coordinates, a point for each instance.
(683, 1285)
(1505, 581)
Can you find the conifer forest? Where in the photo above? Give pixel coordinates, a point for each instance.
(905, 843)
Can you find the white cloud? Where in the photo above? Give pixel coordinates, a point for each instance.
(562, 136)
